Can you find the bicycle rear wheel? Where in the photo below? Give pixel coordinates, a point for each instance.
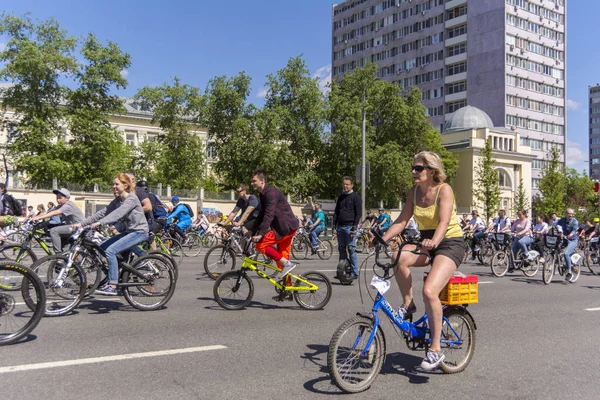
(457, 327)
(325, 250)
(18, 253)
(159, 287)
(173, 248)
(233, 290)
(313, 299)
(486, 253)
(592, 262)
(351, 368)
(217, 260)
(17, 320)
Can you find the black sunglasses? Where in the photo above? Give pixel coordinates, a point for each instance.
(418, 168)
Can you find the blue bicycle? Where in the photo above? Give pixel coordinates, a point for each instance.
(358, 347)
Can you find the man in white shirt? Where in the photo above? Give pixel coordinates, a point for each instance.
(502, 222)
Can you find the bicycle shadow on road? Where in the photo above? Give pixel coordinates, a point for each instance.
(253, 304)
(98, 306)
(592, 287)
(531, 281)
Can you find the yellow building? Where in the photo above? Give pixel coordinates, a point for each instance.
(464, 134)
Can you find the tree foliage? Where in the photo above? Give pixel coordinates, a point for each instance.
(397, 128)
(521, 201)
(552, 187)
(485, 187)
(175, 109)
(61, 131)
(580, 195)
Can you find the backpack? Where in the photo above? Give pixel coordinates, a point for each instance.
(190, 212)
(16, 205)
(158, 208)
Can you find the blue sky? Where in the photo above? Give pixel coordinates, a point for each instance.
(197, 40)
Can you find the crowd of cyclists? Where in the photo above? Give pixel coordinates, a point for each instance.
(267, 220)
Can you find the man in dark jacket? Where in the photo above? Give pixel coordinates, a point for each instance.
(346, 218)
(276, 223)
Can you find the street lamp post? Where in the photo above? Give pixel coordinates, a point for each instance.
(363, 167)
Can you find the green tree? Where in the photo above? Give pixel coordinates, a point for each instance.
(241, 140)
(97, 151)
(485, 187)
(175, 109)
(521, 200)
(397, 128)
(552, 187)
(35, 60)
(580, 195)
(294, 117)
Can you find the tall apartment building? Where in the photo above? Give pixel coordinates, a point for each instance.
(505, 57)
(594, 105)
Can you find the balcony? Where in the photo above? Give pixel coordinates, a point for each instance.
(451, 23)
(455, 3)
(450, 98)
(455, 78)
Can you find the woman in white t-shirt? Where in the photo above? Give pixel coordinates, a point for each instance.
(478, 229)
(541, 227)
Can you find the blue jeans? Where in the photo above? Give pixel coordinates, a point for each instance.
(571, 246)
(521, 244)
(116, 245)
(476, 237)
(314, 233)
(347, 247)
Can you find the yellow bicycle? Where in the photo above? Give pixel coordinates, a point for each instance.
(233, 290)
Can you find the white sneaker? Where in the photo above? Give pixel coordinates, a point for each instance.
(288, 268)
(432, 360)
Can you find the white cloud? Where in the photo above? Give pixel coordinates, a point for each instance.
(262, 93)
(572, 104)
(324, 76)
(576, 157)
(124, 73)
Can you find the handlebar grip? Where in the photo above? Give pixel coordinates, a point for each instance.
(378, 237)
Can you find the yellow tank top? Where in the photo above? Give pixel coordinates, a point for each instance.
(428, 218)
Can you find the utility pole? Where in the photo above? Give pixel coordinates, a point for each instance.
(363, 168)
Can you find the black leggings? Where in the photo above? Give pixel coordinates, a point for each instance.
(179, 231)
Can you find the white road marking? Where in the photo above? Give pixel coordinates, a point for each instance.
(592, 309)
(486, 282)
(120, 357)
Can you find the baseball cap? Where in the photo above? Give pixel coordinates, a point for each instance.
(174, 198)
(382, 209)
(63, 191)
(596, 219)
(142, 184)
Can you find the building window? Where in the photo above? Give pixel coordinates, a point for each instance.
(451, 107)
(130, 138)
(211, 151)
(456, 87)
(456, 50)
(457, 68)
(503, 179)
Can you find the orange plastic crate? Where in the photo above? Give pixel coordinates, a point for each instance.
(460, 290)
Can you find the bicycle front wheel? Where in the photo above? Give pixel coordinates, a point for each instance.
(299, 248)
(325, 250)
(592, 262)
(233, 290)
(17, 320)
(18, 253)
(217, 260)
(486, 253)
(65, 285)
(313, 299)
(531, 269)
(548, 270)
(156, 290)
(352, 367)
(173, 248)
(458, 340)
(193, 246)
(500, 263)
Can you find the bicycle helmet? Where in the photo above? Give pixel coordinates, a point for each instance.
(142, 184)
(596, 220)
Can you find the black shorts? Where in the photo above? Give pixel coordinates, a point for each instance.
(453, 248)
(251, 224)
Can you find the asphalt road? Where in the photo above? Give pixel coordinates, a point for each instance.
(533, 342)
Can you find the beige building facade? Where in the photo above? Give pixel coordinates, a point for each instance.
(465, 134)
